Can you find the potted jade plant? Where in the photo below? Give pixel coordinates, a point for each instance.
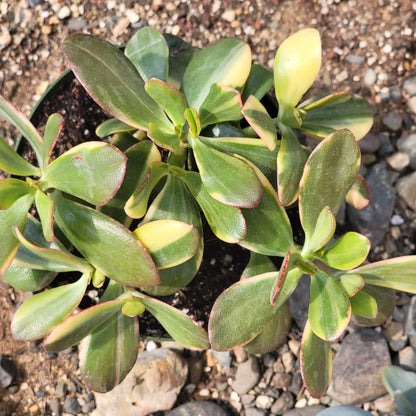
(189, 145)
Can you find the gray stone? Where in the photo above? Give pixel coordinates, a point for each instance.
(393, 120)
(60, 389)
(386, 146)
(370, 143)
(407, 358)
(152, 385)
(282, 380)
(407, 144)
(72, 406)
(406, 189)
(356, 376)
(223, 358)
(283, 403)
(76, 25)
(7, 372)
(374, 220)
(305, 411)
(55, 406)
(410, 323)
(354, 59)
(247, 376)
(252, 411)
(411, 104)
(370, 77)
(202, 408)
(409, 87)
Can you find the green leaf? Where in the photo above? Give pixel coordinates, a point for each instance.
(253, 150)
(178, 325)
(355, 114)
(227, 62)
(397, 273)
(44, 311)
(258, 83)
(25, 128)
(324, 230)
(169, 98)
(111, 126)
(258, 264)
(136, 205)
(322, 101)
(227, 222)
(274, 334)
(386, 300)
(81, 324)
(105, 243)
(112, 80)
(169, 139)
(192, 118)
(347, 252)
(44, 206)
(140, 157)
(133, 307)
(52, 130)
(13, 163)
(359, 194)
(221, 104)
(13, 189)
(268, 227)
(329, 307)
(149, 52)
(290, 164)
(296, 66)
(315, 362)
(15, 215)
(242, 311)
(364, 305)
(259, 119)
(115, 342)
(92, 171)
(227, 179)
(330, 171)
(26, 279)
(180, 241)
(53, 259)
(350, 283)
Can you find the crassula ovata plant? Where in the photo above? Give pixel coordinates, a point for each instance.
(191, 138)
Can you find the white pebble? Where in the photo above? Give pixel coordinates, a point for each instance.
(64, 12)
(396, 220)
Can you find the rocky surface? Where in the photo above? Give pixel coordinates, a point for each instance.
(368, 48)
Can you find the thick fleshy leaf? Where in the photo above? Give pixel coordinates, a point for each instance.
(330, 171)
(324, 230)
(347, 252)
(258, 264)
(350, 283)
(115, 342)
(15, 118)
(169, 98)
(178, 325)
(274, 334)
(227, 179)
(149, 52)
(359, 194)
(169, 139)
(320, 101)
(139, 159)
(364, 304)
(41, 313)
(112, 126)
(12, 162)
(180, 241)
(227, 222)
(112, 80)
(242, 311)
(291, 160)
(329, 307)
(13, 189)
(355, 114)
(386, 300)
(227, 62)
(105, 243)
(259, 119)
(133, 307)
(15, 215)
(26, 279)
(192, 118)
(253, 150)
(258, 83)
(268, 227)
(315, 362)
(136, 205)
(296, 66)
(44, 206)
(81, 324)
(52, 130)
(92, 171)
(397, 273)
(221, 104)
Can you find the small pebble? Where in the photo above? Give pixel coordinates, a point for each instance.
(55, 406)
(264, 402)
(64, 12)
(7, 371)
(370, 77)
(72, 406)
(409, 87)
(393, 120)
(398, 161)
(396, 220)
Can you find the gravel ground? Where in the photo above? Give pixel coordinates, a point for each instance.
(368, 47)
